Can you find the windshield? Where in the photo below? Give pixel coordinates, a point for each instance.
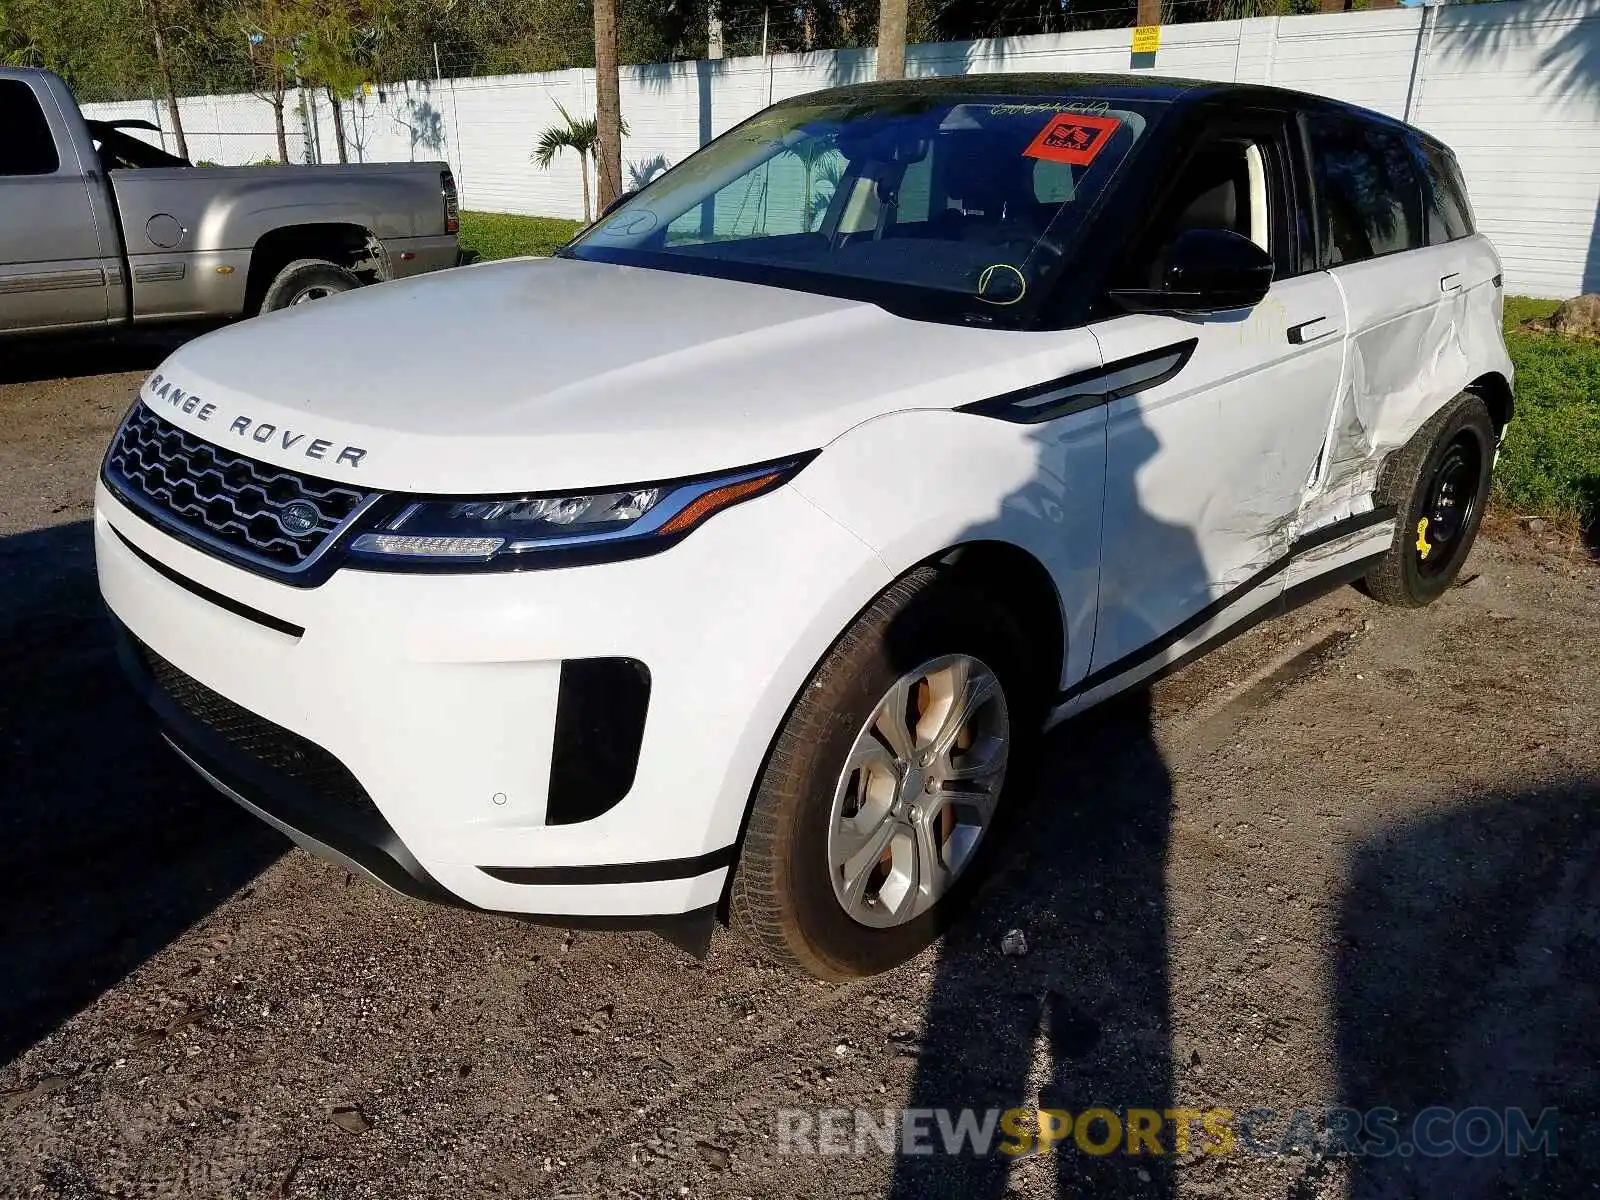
(958, 206)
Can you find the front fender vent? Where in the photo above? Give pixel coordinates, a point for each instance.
(600, 714)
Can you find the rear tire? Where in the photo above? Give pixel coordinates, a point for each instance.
(816, 812)
(306, 280)
(1438, 485)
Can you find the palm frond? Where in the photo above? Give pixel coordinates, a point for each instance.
(584, 133)
(579, 134)
(551, 142)
(812, 151)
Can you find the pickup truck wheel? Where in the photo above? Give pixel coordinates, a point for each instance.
(1438, 484)
(305, 280)
(875, 815)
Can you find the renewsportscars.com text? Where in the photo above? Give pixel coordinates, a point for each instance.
(1378, 1132)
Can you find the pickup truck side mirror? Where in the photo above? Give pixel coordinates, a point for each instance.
(618, 203)
(1203, 271)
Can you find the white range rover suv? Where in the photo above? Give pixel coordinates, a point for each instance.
(728, 563)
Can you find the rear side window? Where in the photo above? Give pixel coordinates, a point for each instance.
(26, 147)
(1448, 213)
(1371, 196)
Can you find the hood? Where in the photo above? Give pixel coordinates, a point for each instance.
(541, 374)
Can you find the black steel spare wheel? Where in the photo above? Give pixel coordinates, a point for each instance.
(1450, 504)
(1438, 484)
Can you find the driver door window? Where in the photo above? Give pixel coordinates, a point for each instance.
(1235, 183)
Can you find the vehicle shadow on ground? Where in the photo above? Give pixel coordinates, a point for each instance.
(109, 845)
(1082, 1020)
(1467, 977)
(35, 360)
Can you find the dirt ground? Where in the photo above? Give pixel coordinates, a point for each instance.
(1351, 860)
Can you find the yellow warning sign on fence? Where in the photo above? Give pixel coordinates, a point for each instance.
(1146, 39)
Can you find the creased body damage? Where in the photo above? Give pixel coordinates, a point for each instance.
(1400, 370)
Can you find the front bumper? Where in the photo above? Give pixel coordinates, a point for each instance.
(284, 779)
(435, 699)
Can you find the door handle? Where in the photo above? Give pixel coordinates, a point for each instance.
(1313, 330)
(1450, 282)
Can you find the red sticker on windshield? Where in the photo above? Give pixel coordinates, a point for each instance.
(1072, 138)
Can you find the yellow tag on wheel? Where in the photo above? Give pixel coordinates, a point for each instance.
(1422, 538)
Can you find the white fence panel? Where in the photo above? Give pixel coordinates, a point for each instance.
(1515, 91)
(1513, 87)
(1364, 58)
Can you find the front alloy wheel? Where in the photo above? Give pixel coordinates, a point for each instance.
(878, 808)
(918, 790)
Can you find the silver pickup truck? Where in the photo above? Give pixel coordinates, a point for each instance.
(99, 229)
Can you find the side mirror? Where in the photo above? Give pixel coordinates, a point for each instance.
(1204, 271)
(618, 203)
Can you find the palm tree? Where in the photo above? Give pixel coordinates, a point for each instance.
(581, 136)
(814, 157)
(607, 105)
(829, 174)
(891, 39)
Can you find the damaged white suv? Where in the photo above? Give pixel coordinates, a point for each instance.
(728, 563)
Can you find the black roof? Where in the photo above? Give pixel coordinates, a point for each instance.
(1101, 85)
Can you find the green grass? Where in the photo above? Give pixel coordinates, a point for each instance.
(1551, 462)
(499, 235)
(1550, 465)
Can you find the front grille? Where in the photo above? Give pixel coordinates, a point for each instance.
(302, 762)
(230, 502)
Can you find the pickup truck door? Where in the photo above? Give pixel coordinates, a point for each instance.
(1208, 464)
(53, 270)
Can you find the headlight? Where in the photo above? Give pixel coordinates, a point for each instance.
(510, 532)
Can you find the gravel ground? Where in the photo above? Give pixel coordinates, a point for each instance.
(1352, 859)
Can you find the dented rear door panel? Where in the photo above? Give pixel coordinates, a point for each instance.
(1424, 324)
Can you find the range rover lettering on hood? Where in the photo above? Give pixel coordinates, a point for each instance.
(262, 432)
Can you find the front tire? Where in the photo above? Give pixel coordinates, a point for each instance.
(875, 814)
(1438, 484)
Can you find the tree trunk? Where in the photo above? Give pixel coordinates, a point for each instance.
(277, 125)
(892, 39)
(338, 124)
(583, 166)
(607, 105)
(153, 14)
